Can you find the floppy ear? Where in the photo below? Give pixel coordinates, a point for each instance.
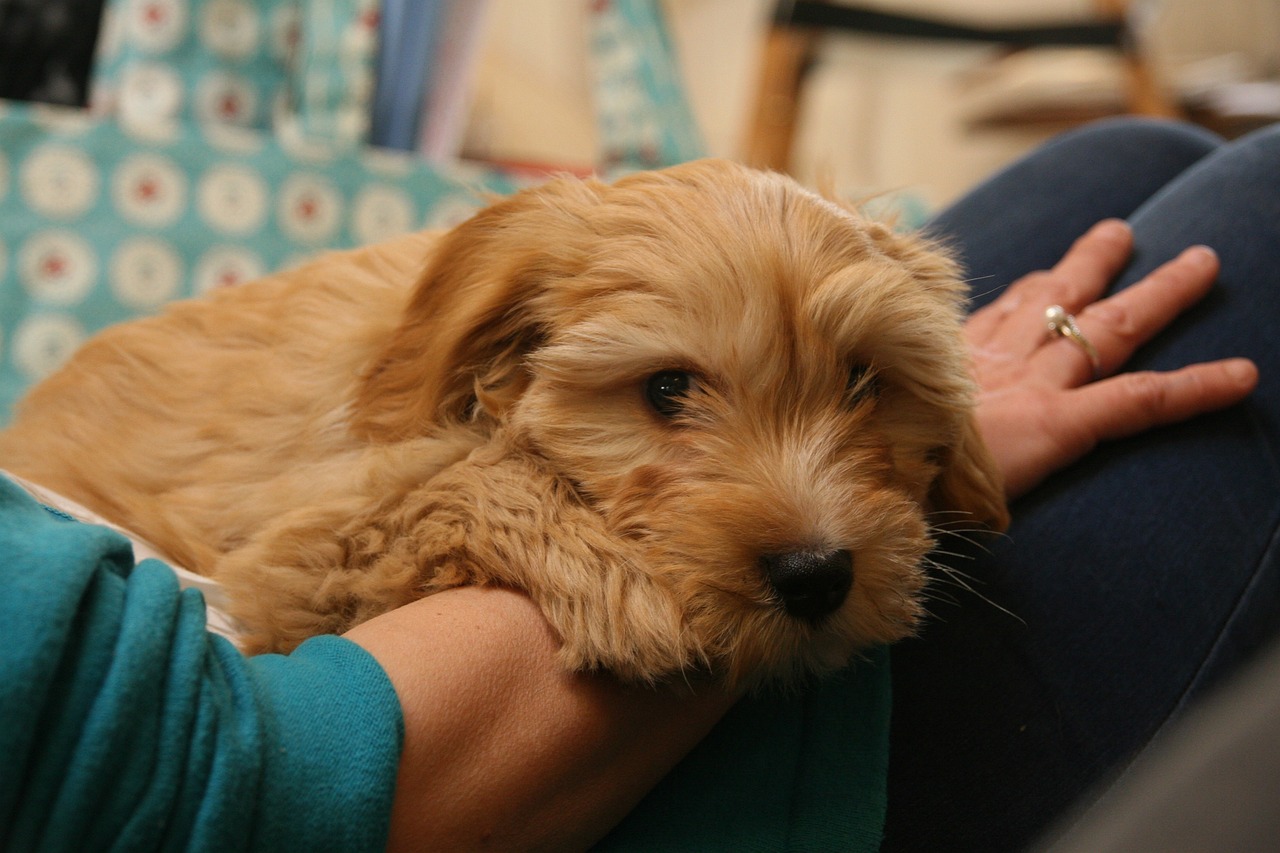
(970, 482)
(473, 316)
(931, 263)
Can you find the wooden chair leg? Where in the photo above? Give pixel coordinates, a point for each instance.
(787, 52)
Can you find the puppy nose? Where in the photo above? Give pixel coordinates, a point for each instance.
(811, 584)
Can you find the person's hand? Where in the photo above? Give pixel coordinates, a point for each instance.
(1039, 406)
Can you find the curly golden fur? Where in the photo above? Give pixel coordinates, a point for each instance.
(476, 407)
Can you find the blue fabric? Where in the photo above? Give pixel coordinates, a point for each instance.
(124, 725)
(407, 34)
(1139, 577)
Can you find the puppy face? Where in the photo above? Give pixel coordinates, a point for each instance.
(764, 393)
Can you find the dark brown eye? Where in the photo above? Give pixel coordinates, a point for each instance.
(863, 383)
(668, 390)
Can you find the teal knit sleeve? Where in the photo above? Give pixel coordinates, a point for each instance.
(124, 725)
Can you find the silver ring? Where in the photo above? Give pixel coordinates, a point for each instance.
(1063, 325)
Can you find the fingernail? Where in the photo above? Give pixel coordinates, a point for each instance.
(1242, 371)
(1113, 229)
(1202, 255)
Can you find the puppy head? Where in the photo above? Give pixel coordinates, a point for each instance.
(763, 392)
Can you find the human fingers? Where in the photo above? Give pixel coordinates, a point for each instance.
(1134, 402)
(1013, 323)
(1115, 327)
(1091, 263)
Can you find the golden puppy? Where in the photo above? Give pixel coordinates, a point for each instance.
(700, 415)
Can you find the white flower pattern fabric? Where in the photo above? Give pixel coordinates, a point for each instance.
(196, 167)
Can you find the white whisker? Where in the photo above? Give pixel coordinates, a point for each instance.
(957, 578)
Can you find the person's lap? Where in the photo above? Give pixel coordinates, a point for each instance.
(1136, 579)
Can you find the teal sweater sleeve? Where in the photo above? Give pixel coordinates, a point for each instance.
(125, 725)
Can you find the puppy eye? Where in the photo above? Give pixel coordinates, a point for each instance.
(863, 384)
(668, 390)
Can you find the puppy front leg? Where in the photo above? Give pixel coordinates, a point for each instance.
(496, 517)
(321, 569)
(501, 518)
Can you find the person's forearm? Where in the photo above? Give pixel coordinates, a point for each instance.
(505, 749)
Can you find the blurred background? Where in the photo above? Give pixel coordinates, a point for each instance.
(864, 95)
(870, 95)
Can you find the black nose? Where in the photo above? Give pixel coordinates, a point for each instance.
(810, 584)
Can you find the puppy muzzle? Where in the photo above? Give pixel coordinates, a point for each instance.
(810, 584)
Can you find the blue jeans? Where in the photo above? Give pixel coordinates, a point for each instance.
(1138, 578)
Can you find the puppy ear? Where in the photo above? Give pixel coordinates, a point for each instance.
(474, 314)
(931, 263)
(970, 482)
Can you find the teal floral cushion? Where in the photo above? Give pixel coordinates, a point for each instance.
(331, 81)
(206, 61)
(102, 221)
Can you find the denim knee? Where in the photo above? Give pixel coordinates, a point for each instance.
(1175, 144)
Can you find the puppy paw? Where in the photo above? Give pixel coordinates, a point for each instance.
(500, 518)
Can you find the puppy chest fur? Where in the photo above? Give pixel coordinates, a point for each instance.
(701, 416)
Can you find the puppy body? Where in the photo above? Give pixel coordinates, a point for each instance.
(478, 407)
